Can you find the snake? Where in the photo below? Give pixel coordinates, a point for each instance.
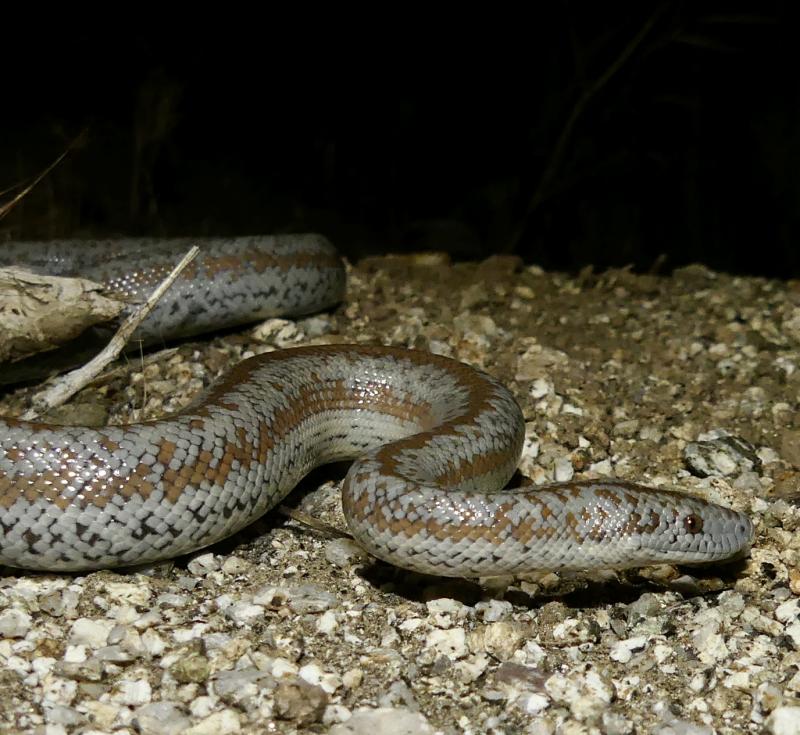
(434, 442)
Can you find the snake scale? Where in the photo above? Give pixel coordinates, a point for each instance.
(434, 442)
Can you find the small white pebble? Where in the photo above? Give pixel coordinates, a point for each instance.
(245, 613)
(58, 691)
(352, 678)
(132, 692)
(103, 715)
(14, 623)
(540, 388)
(202, 706)
(336, 713)
(90, 632)
(218, 723)
(344, 552)
(235, 565)
(535, 703)
(500, 639)
(313, 674)
(598, 686)
(493, 610)
(451, 643)
(282, 667)
(75, 654)
(768, 455)
(411, 624)
(127, 593)
(473, 667)
(788, 611)
(603, 467)
(784, 721)
(623, 650)
(327, 623)
(710, 644)
(384, 720)
(161, 718)
(447, 606)
(153, 643)
(564, 470)
(203, 564)
(42, 665)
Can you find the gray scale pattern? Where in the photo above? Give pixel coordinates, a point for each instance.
(76, 498)
(131, 268)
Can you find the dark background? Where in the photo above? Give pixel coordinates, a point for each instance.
(609, 134)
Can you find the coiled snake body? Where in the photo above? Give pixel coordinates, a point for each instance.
(434, 443)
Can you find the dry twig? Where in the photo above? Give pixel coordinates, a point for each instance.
(8, 206)
(66, 386)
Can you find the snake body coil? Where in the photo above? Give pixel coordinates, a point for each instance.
(434, 440)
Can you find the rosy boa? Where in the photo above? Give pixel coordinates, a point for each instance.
(434, 442)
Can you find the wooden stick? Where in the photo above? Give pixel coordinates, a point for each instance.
(7, 207)
(63, 388)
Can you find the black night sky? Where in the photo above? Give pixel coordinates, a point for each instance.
(610, 134)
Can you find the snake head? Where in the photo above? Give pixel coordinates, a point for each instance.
(663, 527)
(705, 533)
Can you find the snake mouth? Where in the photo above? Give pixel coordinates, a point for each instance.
(733, 559)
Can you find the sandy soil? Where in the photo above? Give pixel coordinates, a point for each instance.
(688, 382)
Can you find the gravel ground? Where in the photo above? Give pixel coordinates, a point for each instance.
(689, 381)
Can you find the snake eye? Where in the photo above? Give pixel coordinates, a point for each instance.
(693, 523)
